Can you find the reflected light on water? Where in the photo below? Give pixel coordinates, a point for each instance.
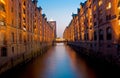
(59, 62)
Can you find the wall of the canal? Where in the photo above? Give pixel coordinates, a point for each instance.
(12, 62)
(87, 52)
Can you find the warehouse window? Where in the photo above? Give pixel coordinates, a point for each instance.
(95, 36)
(2, 7)
(109, 33)
(12, 37)
(101, 35)
(109, 5)
(3, 51)
(100, 2)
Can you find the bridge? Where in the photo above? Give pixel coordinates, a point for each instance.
(60, 40)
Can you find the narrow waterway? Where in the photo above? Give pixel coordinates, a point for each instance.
(62, 62)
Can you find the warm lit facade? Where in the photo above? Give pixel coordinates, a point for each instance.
(98, 26)
(22, 28)
(69, 33)
(53, 25)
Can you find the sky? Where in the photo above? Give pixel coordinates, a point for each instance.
(60, 11)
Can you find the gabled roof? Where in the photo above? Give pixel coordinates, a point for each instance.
(83, 4)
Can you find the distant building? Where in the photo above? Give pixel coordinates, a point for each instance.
(53, 25)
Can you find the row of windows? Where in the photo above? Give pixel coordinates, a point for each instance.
(4, 51)
(108, 5)
(108, 17)
(101, 34)
(13, 38)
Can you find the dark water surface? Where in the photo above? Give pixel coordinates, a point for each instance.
(62, 62)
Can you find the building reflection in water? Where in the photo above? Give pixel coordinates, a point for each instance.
(62, 62)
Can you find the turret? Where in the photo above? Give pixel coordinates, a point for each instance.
(35, 1)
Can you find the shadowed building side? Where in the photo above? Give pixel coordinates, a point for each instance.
(53, 25)
(97, 27)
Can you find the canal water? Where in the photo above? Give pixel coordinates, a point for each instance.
(62, 62)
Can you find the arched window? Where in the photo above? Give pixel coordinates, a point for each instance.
(3, 51)
(84, 36)
(2, 7)
(2, 38)
(101, 34)
(108, 33)
(87, 36)
(12, 37)
(24, 37)
(95, 36)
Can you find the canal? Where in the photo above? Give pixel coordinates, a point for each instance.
(61, 61)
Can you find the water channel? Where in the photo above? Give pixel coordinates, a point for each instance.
(61, 61)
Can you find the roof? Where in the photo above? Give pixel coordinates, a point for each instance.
(82, 4)
(74, 15)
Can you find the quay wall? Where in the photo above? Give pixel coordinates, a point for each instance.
(89, 52)
(8, 63)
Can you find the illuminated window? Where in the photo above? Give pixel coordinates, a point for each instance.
(108, 5)
(2, 21)
(118, 22)
(100, 2)
(94, 8)
(2, 1)
(119, 5)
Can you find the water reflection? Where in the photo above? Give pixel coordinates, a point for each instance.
(59, 62)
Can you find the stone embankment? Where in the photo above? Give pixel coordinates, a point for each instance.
(7, 63)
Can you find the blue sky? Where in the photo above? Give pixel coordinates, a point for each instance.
(60, 11)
